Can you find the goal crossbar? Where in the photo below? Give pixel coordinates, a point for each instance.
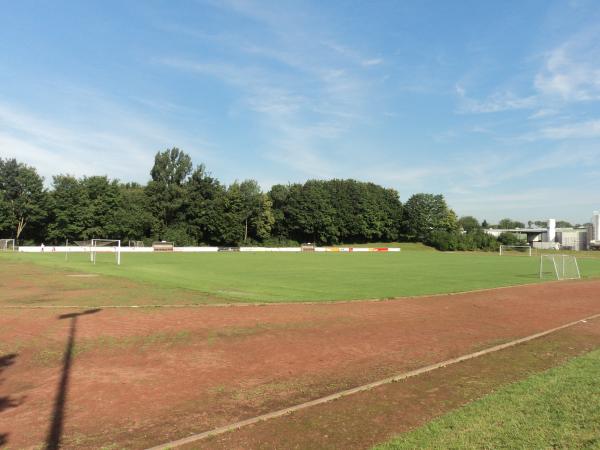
(95, 243)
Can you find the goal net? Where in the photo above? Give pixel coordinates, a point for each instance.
(7, 245)
(136, 244)
(561, 267)
(105, 246)
(518, 250)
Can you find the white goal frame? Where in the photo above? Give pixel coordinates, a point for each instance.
(7, 245)
(106, 242)
(559, 269)
(504, 247)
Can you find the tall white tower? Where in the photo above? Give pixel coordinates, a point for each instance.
(551, 230)
(595, 226)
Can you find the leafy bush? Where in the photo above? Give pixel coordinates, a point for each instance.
(453, 241)
(277, 241)
(179, 235)
(511, 239)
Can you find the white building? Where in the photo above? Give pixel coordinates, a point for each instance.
(573, 238)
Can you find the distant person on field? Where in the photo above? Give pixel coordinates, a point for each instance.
(42, 247)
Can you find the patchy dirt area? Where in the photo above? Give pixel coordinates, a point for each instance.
(38, 286)
(139, 377)
(369, 418)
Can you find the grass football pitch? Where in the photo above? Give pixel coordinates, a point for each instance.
(221, 365)
(289, 277)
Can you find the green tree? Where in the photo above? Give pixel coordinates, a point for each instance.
(23, 197)
(424, 213)
(166, 190)
(312, 214)
(279, 195)
(506, 224)
(508, 238)
(251, 197)
(231, 212)
(134, 217)
(90, 207)
(336, 211)
(67, 204)
(469, 223)
(102, 218)
(563, 224)
(205, 199)
(262, 222)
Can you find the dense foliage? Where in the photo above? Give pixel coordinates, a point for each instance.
(187, 205)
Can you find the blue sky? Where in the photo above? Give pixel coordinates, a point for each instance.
(494, 104)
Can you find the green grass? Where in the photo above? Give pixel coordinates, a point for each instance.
(275, 277)
(559, 408)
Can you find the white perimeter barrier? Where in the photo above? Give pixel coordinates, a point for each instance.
(194, 249)
(270, 249)
(357, 249)
(112, 249)
(74, 249)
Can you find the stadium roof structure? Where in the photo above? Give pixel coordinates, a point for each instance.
(531, 233)
(522, 230)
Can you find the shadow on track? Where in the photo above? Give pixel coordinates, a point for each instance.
(58, 411)
(7, 402)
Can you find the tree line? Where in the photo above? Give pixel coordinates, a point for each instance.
(185, 204)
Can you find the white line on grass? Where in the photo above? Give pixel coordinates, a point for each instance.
(365, 387)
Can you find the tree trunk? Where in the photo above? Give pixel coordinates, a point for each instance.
(246, 231)
(20, 227)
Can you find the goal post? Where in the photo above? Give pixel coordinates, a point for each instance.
(7, 245)
(523, 250)
(104, 243)
(561, 267)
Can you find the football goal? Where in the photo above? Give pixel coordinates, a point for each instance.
(561, 267)
(518, 250)
(105, 246)
(7, 245)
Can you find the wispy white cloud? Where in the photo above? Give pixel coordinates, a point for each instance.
(582, 130)
(497, 102)
(321, 95)
(543, 112)
(571, 71)
(110, 140)
(372, 62)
